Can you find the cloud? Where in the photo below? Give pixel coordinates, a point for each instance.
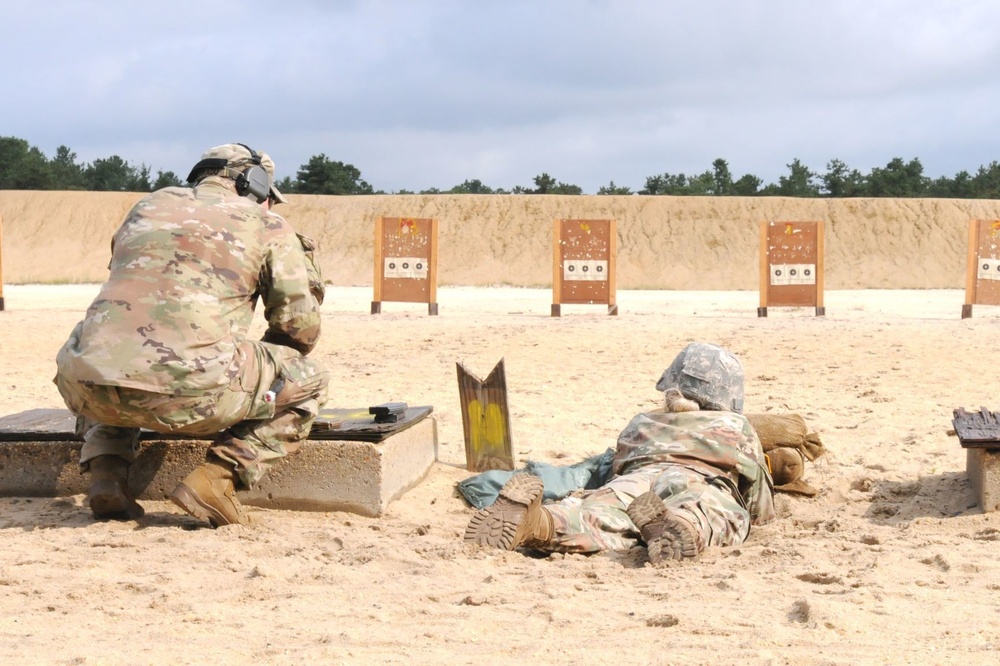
(429, 94)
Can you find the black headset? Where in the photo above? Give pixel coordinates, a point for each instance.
(253, 182)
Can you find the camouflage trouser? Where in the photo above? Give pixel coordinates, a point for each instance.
(597, 520)
(250, 431)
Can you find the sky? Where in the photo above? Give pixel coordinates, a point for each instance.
(420, 94)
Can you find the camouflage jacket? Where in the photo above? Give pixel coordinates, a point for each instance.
(720, 445)
(187, 267)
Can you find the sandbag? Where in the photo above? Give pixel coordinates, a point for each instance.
(787, 444)
(775, 430)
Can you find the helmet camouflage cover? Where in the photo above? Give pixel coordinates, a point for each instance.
(707, 374)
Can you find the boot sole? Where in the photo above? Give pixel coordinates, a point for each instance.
(188, 500)
(502, 524)
(114, 505)
(667, 537)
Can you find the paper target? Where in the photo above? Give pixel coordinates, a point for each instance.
(793, 274)
(988, 269)
(588, 270)
(405, 267)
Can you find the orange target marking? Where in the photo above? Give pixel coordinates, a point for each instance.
(407, 225)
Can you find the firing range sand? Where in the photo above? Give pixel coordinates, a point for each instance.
(891, 563)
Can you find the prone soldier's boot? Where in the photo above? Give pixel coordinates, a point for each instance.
(109, 496)
(667, 536)
(516, 518)
(209, 493)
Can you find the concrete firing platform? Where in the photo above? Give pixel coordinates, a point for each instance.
(327, 474)
(979, 434)
(982, 466)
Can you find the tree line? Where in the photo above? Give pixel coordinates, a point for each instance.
(25, 167)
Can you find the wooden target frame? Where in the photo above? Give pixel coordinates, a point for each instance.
(982, 274)
(1, 264)
(583, 263)
(791, 266)
(406, 261)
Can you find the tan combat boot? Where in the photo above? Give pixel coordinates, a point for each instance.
(667, 536)
(515, 519)
(109, 496)
(208, 493)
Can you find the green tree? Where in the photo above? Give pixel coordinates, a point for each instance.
(799, 182)
(613, 189)
(722, 179)
(959, 187)
(22, 166)
(66, 173)
(667, 183)
(286, 185)
(986, 182)
(166, 179)
(747, 186)
(566, 188)
(898, 179)
(543, 183)
(322, 175)
(474, 186)
(114, 174)
(839, 181)
(701, 185)
(546, 184)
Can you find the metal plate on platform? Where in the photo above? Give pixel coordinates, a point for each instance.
(977, 429)
(359, 424)
(45, 425)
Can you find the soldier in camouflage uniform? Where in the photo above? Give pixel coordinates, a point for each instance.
(684, 478)
(164, 346)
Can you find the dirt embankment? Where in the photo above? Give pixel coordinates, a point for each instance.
(679, 243)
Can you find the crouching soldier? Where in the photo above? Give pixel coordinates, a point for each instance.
(684, 478)
(164, 346)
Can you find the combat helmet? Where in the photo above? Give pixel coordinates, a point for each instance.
(707, 374)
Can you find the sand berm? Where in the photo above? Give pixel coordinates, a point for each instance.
(682, 243)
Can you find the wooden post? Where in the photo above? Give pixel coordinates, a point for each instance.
(377, 264)
(485, 420)
(1, 264)
(432, 287)
(556, 269)
(820, 269)
(764, 271)
(970, 269)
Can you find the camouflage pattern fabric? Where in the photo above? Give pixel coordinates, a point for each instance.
(163, 346)
(707, 374)
(707, 466)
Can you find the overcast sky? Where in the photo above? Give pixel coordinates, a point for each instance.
(429, 93)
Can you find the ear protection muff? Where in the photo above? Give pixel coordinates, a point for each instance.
(254, 182)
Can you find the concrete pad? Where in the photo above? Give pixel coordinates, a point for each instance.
(325, 475)
(982, 466)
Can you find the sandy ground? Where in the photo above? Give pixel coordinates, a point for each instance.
(892, 563)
